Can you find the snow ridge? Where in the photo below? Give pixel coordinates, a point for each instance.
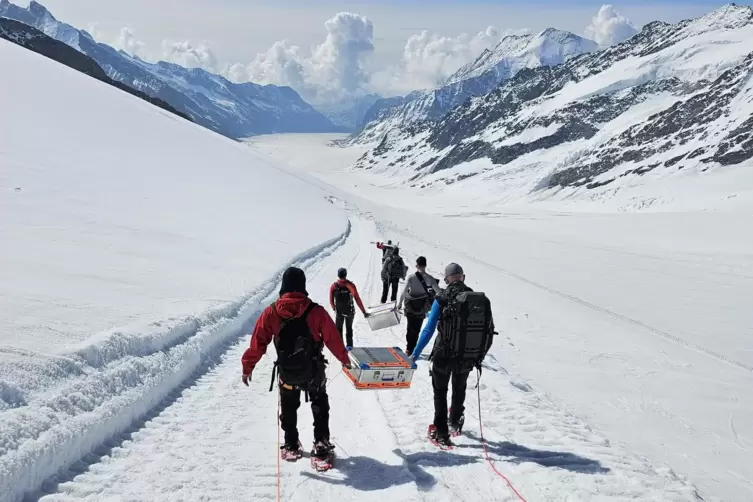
(121, 379)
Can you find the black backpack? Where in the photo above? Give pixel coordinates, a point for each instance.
(297, 351)
(343, 300)
(396, 267)
(466, 326)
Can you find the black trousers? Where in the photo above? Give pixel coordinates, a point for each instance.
(290, 401)
(414, 329)
(444, 373)
(341, 319)
(386, 288)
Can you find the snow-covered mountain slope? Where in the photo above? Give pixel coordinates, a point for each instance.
(134, 244)
(349, 113)
(234, 110)
(674, 99)
(512, 54)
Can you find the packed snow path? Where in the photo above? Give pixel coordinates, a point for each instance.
(214, 439)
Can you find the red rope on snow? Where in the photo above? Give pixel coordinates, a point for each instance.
(486, 452)
(278, 445)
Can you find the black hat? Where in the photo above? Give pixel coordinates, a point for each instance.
(342, 273)
(293, 281)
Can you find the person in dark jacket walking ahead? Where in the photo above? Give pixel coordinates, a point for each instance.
(466, 331)
(342, 295)
(393, 270)
(416, 300)
(295, 318)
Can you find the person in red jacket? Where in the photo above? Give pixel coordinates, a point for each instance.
(293, 302)
(342, 293)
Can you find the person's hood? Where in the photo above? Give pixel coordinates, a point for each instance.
(291, 305)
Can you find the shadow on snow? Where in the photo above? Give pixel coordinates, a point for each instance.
(517, 454)
(368, 474)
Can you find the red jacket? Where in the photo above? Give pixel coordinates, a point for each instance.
(288, 306)
(353, 291)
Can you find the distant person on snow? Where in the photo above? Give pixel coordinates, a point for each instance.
(393, 269)
(299, 329)
(386, 249)
(341, 296)
(417, 298)
(466, 331)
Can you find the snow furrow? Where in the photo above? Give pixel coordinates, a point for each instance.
(50, 434)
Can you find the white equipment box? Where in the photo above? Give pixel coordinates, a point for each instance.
(380, 368)
(384, 316)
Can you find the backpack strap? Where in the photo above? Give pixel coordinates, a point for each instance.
(463, 318)
(308, 310)
(421, 279)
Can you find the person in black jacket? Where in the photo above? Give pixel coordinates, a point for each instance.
(393, 270)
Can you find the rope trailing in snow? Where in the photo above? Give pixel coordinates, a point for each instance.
(486, 452)
(278, 445)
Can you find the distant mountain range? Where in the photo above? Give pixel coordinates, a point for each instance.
(234, 110)
(512, 54)
(34, 40)
(672, 97)
(349, 113)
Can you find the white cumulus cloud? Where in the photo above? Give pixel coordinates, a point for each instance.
(188, 55)
(333, 70)
(609, 27)
(428, 59)
(125, 40)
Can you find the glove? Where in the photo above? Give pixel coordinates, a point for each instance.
(366, 315)
(245, 379)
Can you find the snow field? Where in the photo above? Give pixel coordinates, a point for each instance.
(128, 214)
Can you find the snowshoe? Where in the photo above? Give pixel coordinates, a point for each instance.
(456, 429)
(322, 456)
(291, 453)
(443, 443)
